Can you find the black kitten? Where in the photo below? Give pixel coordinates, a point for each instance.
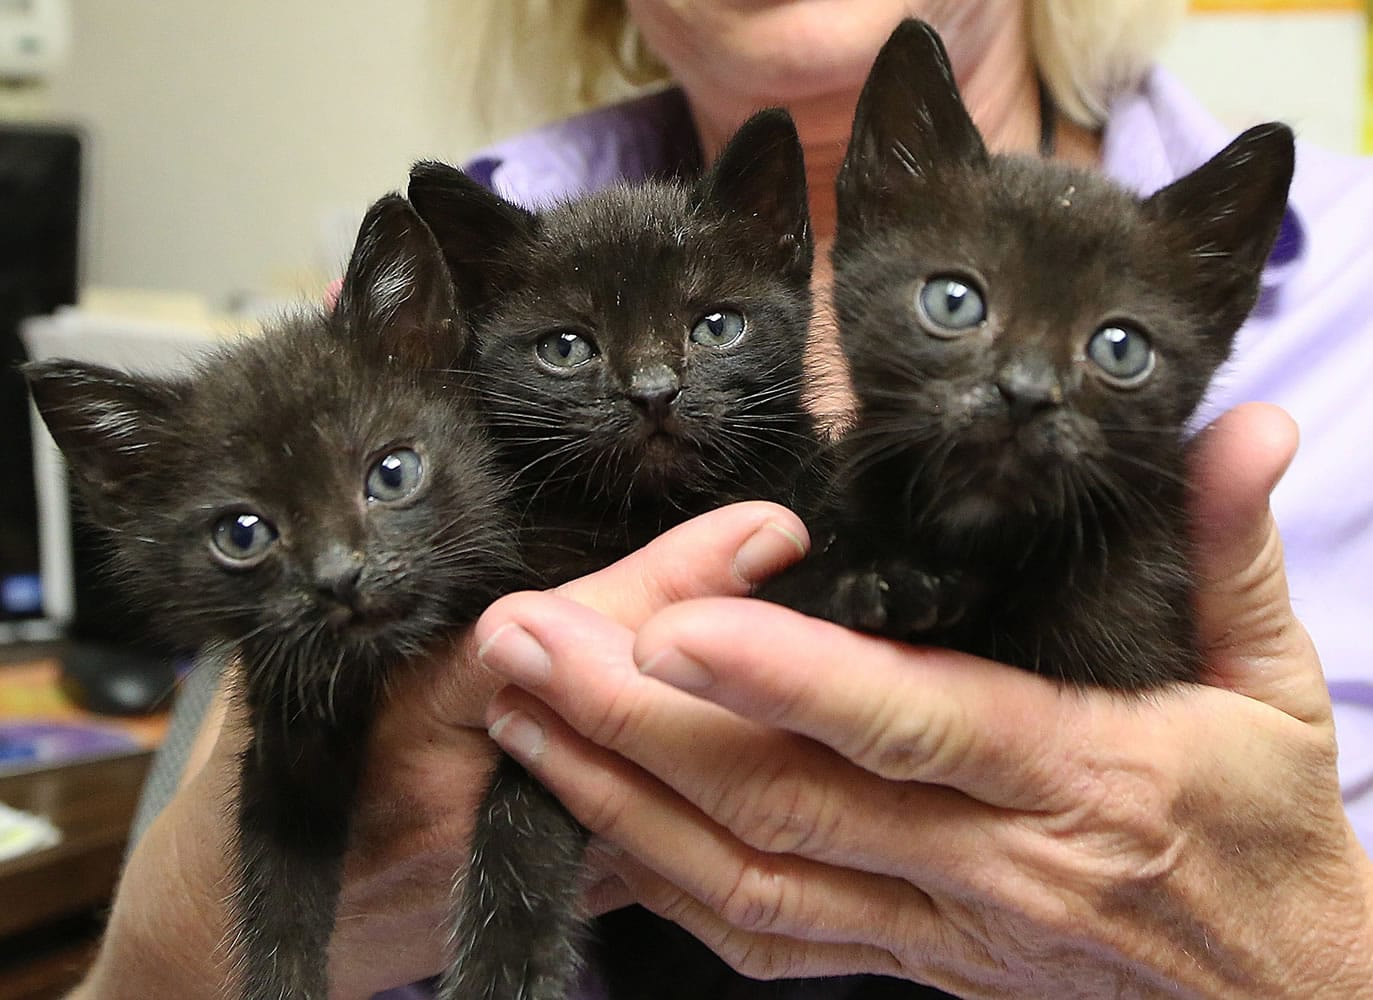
(319, 498)
(639, 356)
(1027, 343)
(639, 352)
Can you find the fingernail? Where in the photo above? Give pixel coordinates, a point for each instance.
(517, 655)
(518, 735)
(770, 548)
(671, 667)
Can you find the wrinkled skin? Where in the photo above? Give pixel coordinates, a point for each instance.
(809, 801)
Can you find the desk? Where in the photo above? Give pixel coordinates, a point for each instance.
(53, 901)
(92, 804)
(46, 932)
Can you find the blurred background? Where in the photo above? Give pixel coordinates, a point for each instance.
(232, 147)
(182, 168)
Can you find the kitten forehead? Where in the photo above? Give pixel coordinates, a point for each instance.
(621, 218)
(994, 221)
(314, 393)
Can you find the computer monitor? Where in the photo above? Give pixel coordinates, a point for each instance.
(40, 208)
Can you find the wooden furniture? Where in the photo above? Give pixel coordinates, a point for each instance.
(92, 804)
(51, 901)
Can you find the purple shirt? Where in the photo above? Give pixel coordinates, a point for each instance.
(1308, 346)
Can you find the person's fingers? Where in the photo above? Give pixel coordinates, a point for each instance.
(774, 790)
(756, 891)
(935, 716)
(727, 551)
(1252, 640)
(755, 954)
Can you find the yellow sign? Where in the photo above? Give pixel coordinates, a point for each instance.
(1274, 6)
(1368, 81)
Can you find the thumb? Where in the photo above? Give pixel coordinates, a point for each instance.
(1250, 637)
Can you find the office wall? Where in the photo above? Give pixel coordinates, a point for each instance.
(1305, 66)
(234, 144)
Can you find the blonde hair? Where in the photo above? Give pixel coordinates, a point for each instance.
(1088, 51)
(551, 58)
(577, 53)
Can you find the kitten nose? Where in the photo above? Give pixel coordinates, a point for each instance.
(337, 573)
(654, 390)
(1029, 389)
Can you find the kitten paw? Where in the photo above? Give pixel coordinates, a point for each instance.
(893, 599)
(859, 601)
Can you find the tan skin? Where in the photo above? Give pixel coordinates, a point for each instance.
(930, 815)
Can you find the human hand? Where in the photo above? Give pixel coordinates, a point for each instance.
(429, 757)
(811, 801)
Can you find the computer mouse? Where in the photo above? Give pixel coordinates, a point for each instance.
(114, 680)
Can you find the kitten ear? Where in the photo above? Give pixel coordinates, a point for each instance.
(760, 176)
(909, 123)
(397, 295)
(1228, 212)
(473, 225)
(108, 424)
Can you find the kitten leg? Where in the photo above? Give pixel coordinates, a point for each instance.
(518, 918)
(294, 809)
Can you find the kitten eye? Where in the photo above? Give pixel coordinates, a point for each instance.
(243, 539)
(1122, 354)
(395, 476)
(720, 328)
(564, 349)
(951, 306)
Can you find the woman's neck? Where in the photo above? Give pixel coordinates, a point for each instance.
(1000, 88)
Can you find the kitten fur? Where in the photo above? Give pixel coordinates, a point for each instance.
(383, 527)
(1015, 486)
(1035, 499)
(639, 356)
(654, 427)
(999, 491)
(1015, 478)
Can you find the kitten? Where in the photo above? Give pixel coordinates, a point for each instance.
(320, 498)
(639, 356)
(639, 352)
(1027, 343)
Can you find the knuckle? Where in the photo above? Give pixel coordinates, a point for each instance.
(1124, 832)
(604, 808)
(670, 903)
(903, 748)
(754, 901)
(617, 720)
(792, 814)
(757, 958)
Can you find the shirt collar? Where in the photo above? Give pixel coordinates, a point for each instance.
(1159, 132)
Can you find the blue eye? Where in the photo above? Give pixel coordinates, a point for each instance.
(395, 476)
(242, 540)
(1122, 354)
(564, 349)
(951, 306)
(720, 328)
